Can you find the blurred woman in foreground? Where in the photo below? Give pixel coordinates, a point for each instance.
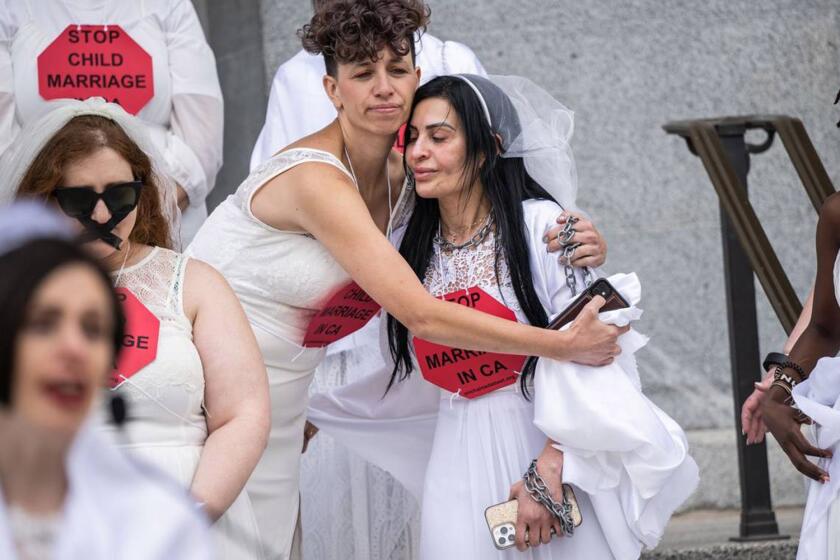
(64, 492)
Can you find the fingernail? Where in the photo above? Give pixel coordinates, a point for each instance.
(545, 239)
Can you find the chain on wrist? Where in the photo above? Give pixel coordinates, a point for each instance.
(538, 490)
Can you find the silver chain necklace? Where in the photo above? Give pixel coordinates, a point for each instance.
(478, 237)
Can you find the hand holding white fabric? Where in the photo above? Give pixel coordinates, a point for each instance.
(614, 439)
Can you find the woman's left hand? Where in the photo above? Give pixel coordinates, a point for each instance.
(592, 251)
(532, 518)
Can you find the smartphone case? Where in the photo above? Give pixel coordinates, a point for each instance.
(501, 519)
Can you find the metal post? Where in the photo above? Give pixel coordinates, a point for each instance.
(758, 521)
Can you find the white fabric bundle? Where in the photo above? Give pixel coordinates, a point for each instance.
(618, 445)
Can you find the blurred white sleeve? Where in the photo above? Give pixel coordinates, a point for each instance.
(297, 106)
(193, 148)
(273, 135)
(9, 128)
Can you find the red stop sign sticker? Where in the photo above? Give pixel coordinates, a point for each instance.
(468, 372)
(140, 340)
(344, 313)
(97, 61)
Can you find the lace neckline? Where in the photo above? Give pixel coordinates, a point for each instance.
(138, 264)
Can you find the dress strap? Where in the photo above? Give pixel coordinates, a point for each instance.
(175, 296)
(277, 165)
(297, 156)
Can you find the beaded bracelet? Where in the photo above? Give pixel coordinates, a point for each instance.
(779, 377)
(783, 385)
(794, 366)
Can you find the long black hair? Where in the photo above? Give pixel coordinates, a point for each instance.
(22, 271)
(506, 184)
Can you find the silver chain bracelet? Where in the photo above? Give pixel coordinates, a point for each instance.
(567, 255)
(538, 489)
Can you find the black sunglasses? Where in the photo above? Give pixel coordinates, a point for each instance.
(79, 202)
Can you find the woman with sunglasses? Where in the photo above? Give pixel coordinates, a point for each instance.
(199, 410)
(65, 492)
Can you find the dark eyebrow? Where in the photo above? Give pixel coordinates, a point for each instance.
(440, 124)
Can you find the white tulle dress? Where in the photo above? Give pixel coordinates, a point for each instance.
(166, 424)
(628, 463)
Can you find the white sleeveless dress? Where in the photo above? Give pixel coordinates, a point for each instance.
(166, 421)
(282, 278)
(819, 398)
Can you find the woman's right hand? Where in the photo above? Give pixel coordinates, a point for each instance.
(784, 422)
(592, 342)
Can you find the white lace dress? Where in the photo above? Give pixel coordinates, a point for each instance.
(166, 424)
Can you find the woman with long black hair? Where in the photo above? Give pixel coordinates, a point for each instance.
(462, 431)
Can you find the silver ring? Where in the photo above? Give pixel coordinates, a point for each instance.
(566, 236)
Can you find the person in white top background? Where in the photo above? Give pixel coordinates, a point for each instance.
(298, 105)
(150, 55)
(64, 492)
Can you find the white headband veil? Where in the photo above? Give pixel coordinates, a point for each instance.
(32, 139)
(533, 126)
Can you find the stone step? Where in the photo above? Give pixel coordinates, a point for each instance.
(705, 535)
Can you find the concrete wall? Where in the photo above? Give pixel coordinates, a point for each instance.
(234, 30)
(627, 68)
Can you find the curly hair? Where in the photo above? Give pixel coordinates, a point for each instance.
(356, 30)
(81, 137)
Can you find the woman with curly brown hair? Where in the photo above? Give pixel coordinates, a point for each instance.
(312, 219)
(198, 405)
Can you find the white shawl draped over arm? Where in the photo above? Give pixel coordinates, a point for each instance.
(618, 446)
